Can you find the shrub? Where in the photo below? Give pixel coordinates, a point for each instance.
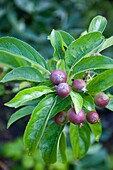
(78, 60)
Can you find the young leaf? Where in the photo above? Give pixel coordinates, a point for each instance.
(37, 123)
(82, 46)
(110, 105)
(52, 64)
(50, 142)
(77, 101)
(101, 82)
(27, 95)
(108, 42)
(61, 104)
(96, 130)
(23, 73)
(19, 114)
(60, 65)
(98, 24)
(57, 43)
(80, 140)
(67, 38)
(62, 149)
(92, 62)
(88, 103)
(19, 47)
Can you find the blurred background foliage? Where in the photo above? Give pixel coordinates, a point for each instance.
(32, 21)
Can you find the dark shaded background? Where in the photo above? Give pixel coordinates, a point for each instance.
(32, 21)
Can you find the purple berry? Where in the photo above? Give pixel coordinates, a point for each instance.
(93, 117)
(79, 85)
(63, 90)
(76, 118)
(60, 118)
(58, 76)
(101, 99)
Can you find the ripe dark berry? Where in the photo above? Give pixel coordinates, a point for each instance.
(76, 118)
(60, 118)
(58, 76)
(101, 99)
(93, 117)
(63, 90)
(79, 85)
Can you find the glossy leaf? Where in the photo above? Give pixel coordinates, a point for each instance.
(19, 114)
(62, 149)
(61, 104)
(82, 47)
(57, 43)
(23, 73)
(110, 105)
(50, 143)
(108, 42)
(21, 48)
(27, 95)
(37, 123)
(77, 100)
(12, 60)
(15, 60)
(98, 24)
(88, 103)
(80, 140)
(96, 130)
(92, 62)
(67, 38)
(101, 82)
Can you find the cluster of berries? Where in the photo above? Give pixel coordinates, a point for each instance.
(59, 78)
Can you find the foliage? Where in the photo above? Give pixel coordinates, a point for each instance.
(41, 131)
(32, 21)
(97, 158)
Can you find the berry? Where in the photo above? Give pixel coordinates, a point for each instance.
(58, 76)
(63, 90)
(101, 99)
(76, 118)
(60, 118)
(93, 117)
(79, 85)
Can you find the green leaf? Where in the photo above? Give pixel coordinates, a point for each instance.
(98, 24)
(51, 64)
(19, 114)
(77, 100)
(60, 65)
(110, 105)
(96, 130)
(12, 60)
(80, 140)
(61, 104)
(57, 43)
(27, 95)
(101, 82)
(82, 47)
(67, 38)
(50, 143)
(88, 103)
(92, 62)
(15, 60)
(23, 73)
(37, 123)
(21, 48)
(62, 149)
(108, 42)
